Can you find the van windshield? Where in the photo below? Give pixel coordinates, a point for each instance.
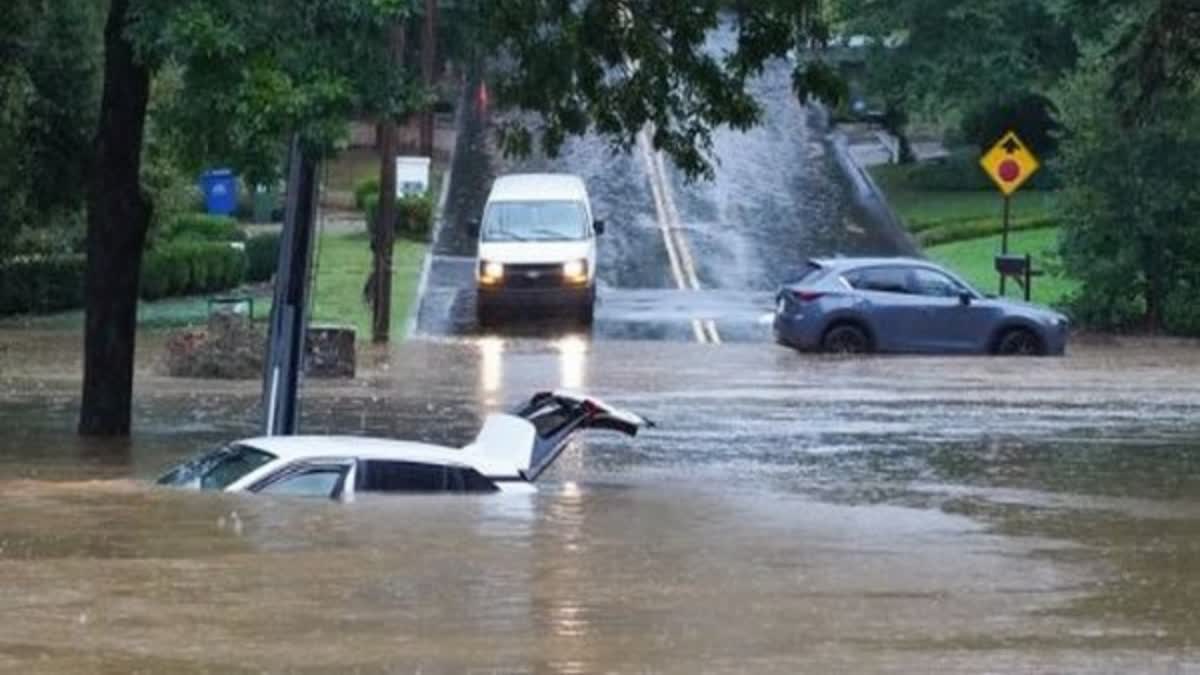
(535, 221)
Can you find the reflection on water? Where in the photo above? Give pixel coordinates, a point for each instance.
(491, 364)
(572, 361)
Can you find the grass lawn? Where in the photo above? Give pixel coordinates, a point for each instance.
(922, 209)
(973, 259)
(343, 261)
(342, 265)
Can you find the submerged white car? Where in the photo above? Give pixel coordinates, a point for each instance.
(509, 453)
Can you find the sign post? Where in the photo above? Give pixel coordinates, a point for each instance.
(1009, 164)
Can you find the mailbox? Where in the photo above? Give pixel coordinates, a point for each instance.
(1012, 265)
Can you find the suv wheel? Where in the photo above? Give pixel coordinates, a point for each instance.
(846, 338)
(1019, 342)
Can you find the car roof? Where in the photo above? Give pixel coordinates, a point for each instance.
(522, 187)
(856, 263)
(358, 447)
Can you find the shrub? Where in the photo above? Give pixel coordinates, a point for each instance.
(950, 232)
(34, 285)
(204, 227)
(960, 172)
(262, 256)
(41, 284)
(191, 268)
(363, 190)
(1181, 312)
(414, 215)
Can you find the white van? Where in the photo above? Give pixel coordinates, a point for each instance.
(537, 247)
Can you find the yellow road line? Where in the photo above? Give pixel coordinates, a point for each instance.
(679, 254)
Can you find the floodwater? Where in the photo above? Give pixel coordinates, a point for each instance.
(791, 514)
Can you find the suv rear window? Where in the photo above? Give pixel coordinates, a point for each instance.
(880, 279)
(391, 476)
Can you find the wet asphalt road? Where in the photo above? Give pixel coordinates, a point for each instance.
(790, 514)
(777, 198)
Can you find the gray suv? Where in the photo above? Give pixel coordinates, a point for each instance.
(853, 305)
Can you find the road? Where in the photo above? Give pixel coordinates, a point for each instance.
(681, 260)
(790, 514)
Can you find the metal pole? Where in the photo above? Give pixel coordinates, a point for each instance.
(1028, 278)
(1004, 242)
(289, 311)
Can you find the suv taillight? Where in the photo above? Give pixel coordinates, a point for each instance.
(806, 296)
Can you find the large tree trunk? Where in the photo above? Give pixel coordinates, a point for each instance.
(118, 217)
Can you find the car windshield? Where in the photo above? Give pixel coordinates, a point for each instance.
(535, 221)
(218, 469)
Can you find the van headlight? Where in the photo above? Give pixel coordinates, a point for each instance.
(575, 271)
(490, 273)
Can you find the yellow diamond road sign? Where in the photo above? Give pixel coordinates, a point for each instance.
(1009, 163)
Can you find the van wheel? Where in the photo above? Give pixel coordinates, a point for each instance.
(485, 314)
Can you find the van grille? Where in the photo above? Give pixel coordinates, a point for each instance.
(533, 276)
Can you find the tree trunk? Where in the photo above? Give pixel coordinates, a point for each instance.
(384, 228)
(428, 74)
(118, 218)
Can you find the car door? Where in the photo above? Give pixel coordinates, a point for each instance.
(893, 312)
(326, 479)
(946, 323)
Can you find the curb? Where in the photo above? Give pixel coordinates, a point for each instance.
(439, 222)
(869, 197)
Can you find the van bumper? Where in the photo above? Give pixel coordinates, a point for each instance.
(540, 298)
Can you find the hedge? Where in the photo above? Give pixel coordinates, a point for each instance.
(960, 172)
(962, 230)
(188, 268)
(51, 284)
(42, 284)
(204, 227)
(262, 257)
(414, 215)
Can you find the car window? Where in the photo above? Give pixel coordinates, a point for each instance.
(879, 279)
(392, 476)
(811, 274)
(933, 283)
(318, 482)
(535, 221)
(218, 469)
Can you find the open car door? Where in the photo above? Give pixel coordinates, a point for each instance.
(536, 432)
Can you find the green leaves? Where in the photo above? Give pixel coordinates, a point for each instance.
(679, 68)
(253, 73)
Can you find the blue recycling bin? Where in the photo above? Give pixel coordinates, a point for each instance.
(220, 191)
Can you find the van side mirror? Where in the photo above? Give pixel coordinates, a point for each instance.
(965, 299)
(473, 227)
(598, 226)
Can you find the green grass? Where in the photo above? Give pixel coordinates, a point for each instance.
(974, 261)
(924, 209)
(344, 260)
(343, 263)
(963, 213)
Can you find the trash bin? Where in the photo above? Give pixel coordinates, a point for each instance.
(220, 191)
(264, 204)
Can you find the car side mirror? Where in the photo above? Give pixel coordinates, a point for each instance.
(965, 298)
(473, 227)
(598, 226)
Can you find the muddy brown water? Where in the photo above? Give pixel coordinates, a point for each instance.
(790, 514)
